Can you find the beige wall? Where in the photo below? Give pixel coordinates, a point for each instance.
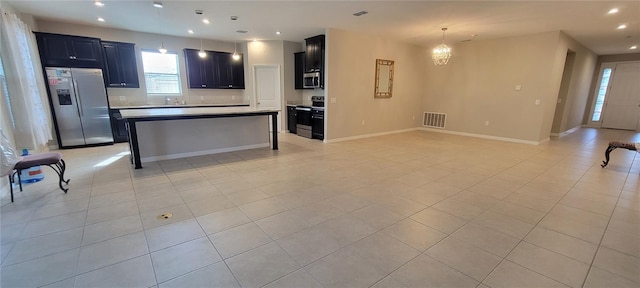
(148, 41)
(577, 96)
(350, 76)
(478, 85)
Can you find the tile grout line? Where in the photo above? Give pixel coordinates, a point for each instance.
(593, 259)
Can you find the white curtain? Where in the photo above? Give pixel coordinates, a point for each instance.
(27, 101)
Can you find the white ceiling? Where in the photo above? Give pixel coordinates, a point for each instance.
(416, 22)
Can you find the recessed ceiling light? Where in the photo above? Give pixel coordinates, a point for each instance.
(206, 21)
(278, 33)
(100, 19)
(190, 31)
(613, 11)
(157, 4)
(622, 26)
(634, 47)
(255, 40)
(99, 3)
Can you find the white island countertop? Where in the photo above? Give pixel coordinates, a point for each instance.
(191, 112)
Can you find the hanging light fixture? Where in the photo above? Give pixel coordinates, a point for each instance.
(162, 49)
(201, 53)
(442, 53)
(235, 55)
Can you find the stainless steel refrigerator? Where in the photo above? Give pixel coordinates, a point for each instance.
(79, 102)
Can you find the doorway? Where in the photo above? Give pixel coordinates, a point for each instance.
(267, 89)
(558, 118)
(622, 103)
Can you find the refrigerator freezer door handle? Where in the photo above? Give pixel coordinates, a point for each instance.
(75, 90)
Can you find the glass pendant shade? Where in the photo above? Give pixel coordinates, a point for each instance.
(235, 55)
(442, 53)
(201, 53)
(162, 49)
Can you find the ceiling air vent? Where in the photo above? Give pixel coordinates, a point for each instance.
(241, 31)
(360, 13)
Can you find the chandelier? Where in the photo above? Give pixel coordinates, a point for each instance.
(442, 53)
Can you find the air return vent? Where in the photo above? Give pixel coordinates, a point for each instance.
(434, 120)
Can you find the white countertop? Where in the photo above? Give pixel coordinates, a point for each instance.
(189, 111)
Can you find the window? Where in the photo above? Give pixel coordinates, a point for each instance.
(602, 92)
(161, 73)
(5, 93)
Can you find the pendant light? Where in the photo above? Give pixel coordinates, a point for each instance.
(201, 53)
(162, 49)
(235, 55)
(159, 6)
(442, 53)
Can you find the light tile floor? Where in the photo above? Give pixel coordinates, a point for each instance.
(415, 209)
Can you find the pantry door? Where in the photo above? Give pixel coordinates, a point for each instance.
(622, 110)
(267, 89)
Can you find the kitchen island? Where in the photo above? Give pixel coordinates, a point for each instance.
(170, 133)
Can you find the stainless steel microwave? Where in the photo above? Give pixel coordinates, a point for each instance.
(311, 80)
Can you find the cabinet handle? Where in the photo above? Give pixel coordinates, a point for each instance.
(204, 85)
(230, 86)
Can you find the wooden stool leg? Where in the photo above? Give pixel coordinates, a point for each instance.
(20, 179)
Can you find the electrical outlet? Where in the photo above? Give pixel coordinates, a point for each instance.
(201, 97)
(334, 100)
(537, 102)
(413, 117)
(518, 87)
(486, 123)
(233, 97)
(362, 122)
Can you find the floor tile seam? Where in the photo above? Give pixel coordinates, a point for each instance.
(523, 267)
(76, 274)
(4, 265)
(518, 244)
(559, 253)
(605, 232)
(585, 210)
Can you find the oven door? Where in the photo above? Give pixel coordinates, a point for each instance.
(304, 121)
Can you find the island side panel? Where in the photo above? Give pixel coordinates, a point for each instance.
(172, 139)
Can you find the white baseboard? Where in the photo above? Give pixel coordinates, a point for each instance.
(514, 140)
(200, 153)
(565, 133)
(368, 135)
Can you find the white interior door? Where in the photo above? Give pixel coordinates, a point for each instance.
(622, 110)
(267, 88)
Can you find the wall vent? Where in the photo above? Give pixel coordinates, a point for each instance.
(434, 120)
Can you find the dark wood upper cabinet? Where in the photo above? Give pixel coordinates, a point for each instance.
(229, 72)
(314, 54)
(200, 71)
(121, 69)
(299, 70)
(216, 71)
(69, 51)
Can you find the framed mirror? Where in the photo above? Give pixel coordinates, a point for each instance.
(384, 78)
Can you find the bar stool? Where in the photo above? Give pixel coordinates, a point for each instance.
(51, 159)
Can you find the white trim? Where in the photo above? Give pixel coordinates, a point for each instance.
(565, 133)
(486, 136)
(368, 135)
(200, 153)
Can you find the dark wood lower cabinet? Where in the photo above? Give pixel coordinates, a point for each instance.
(118, 125)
